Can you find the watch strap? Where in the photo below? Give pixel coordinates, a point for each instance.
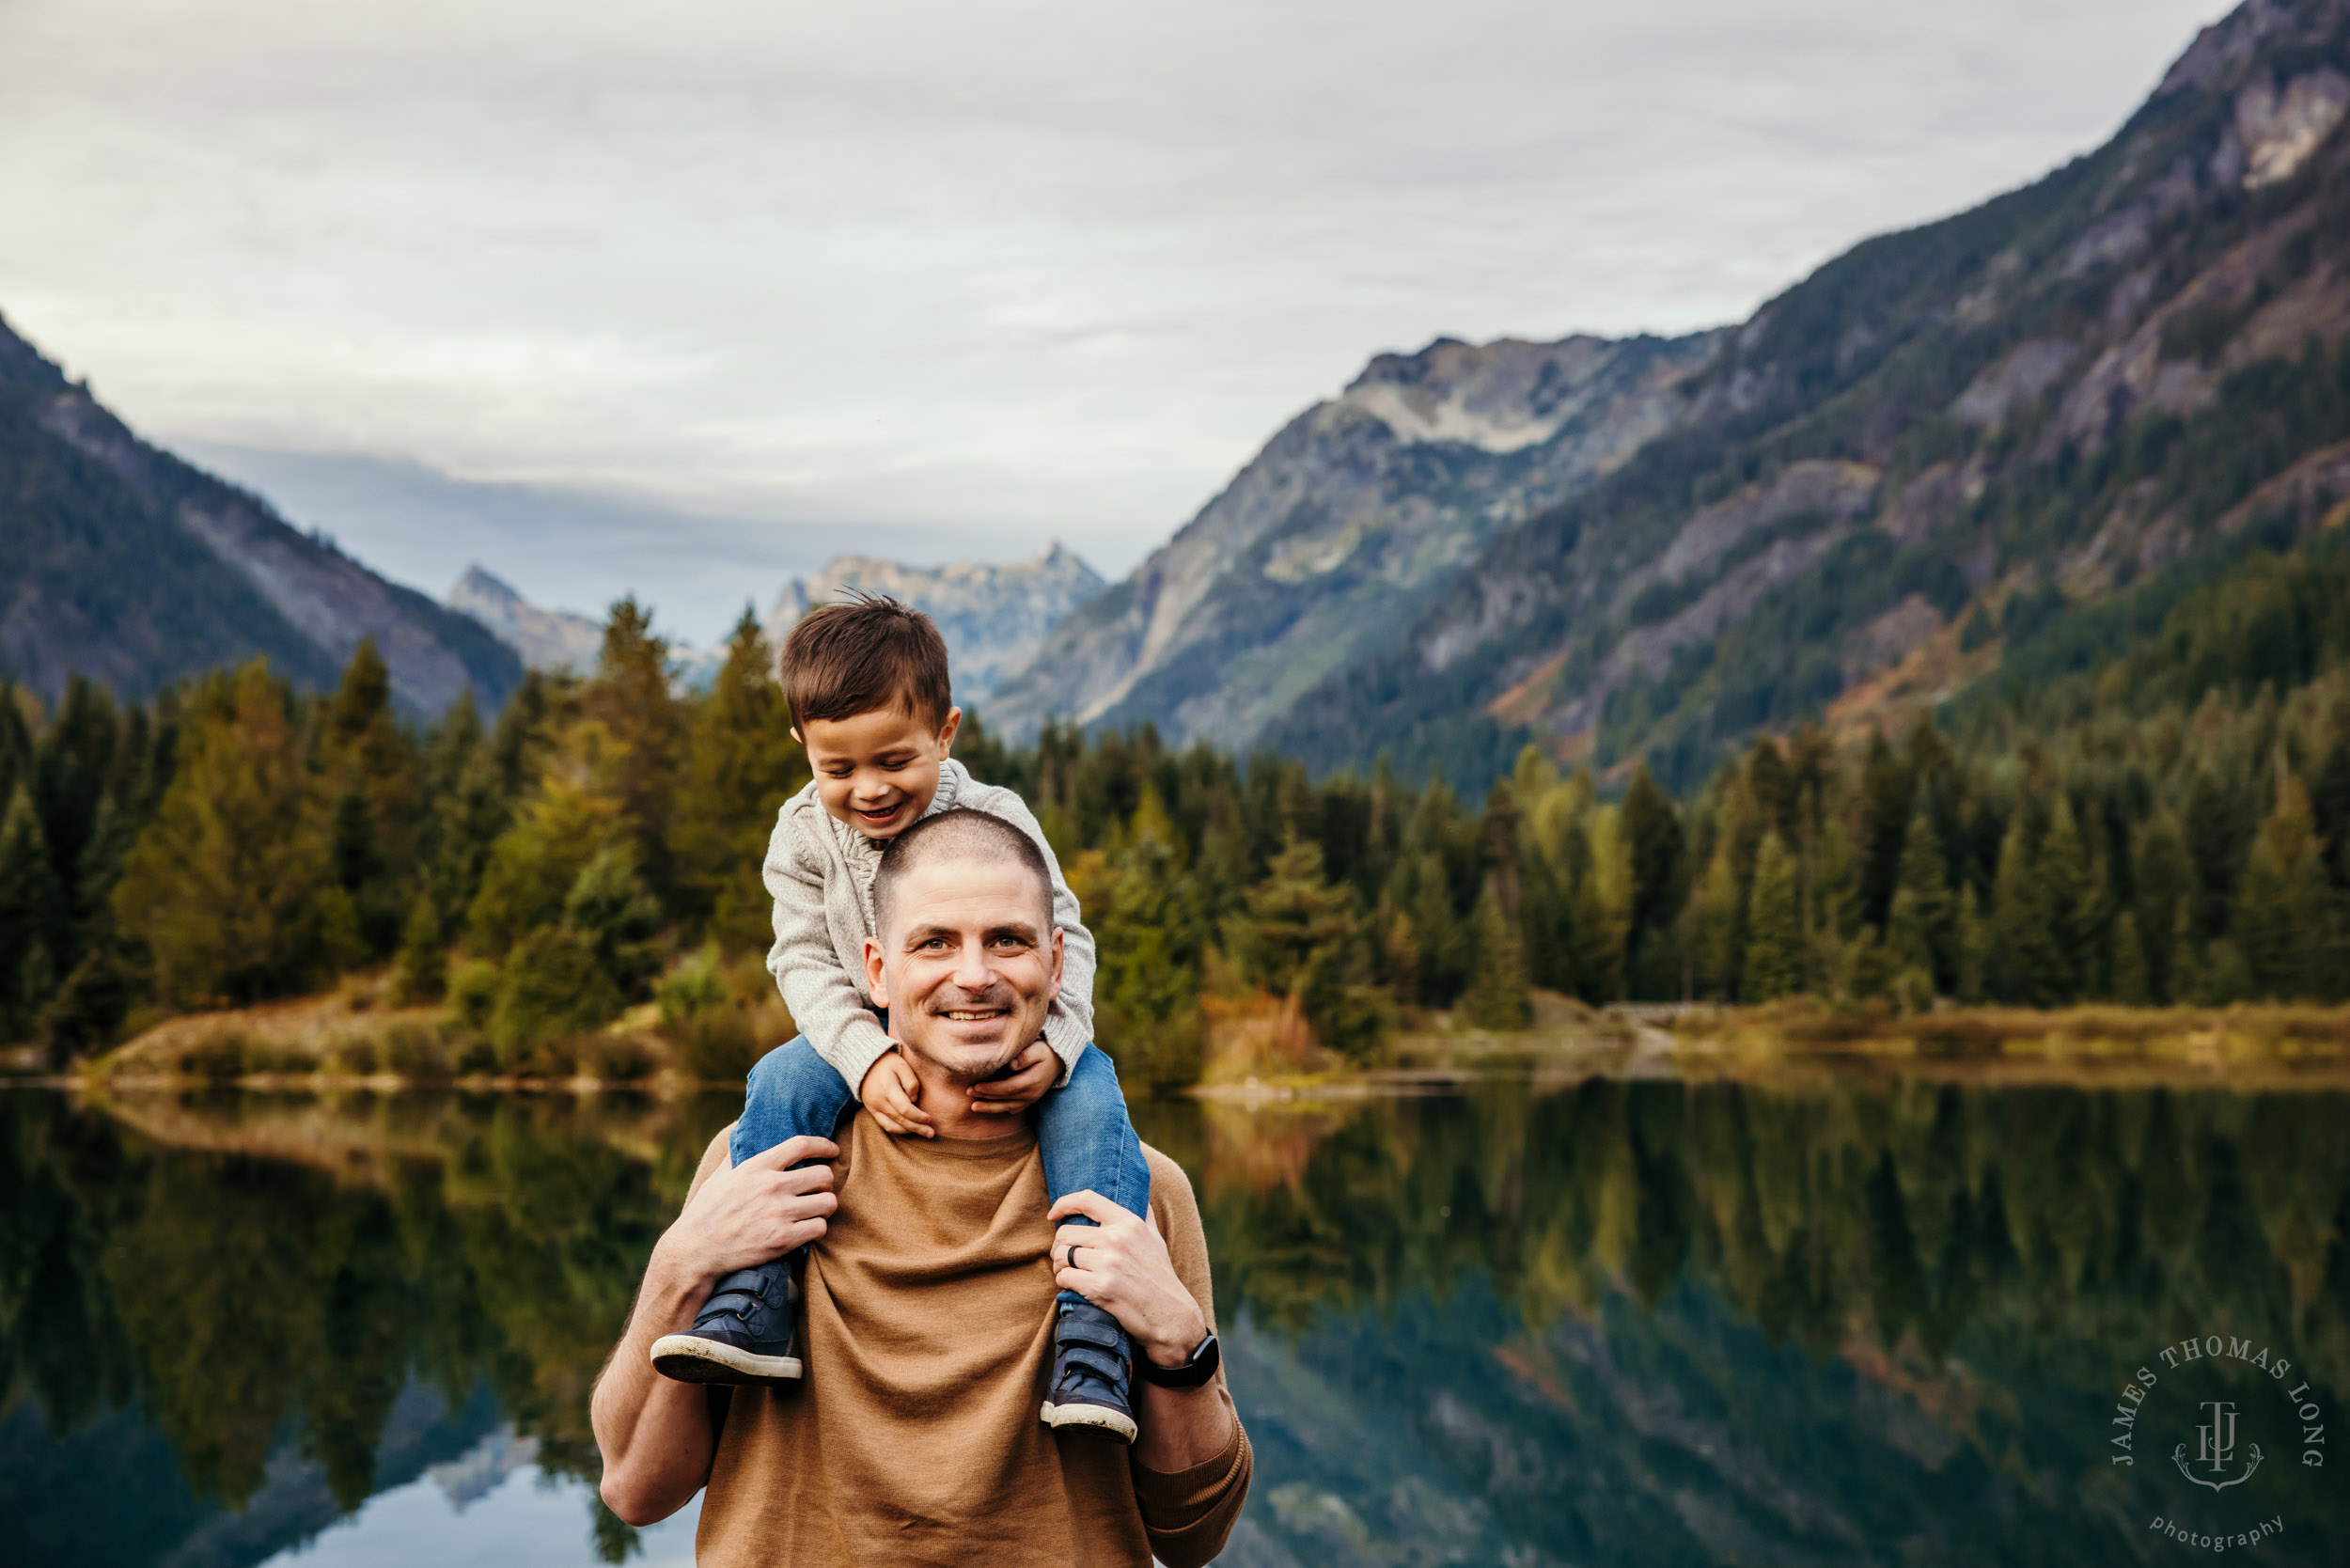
(1205, 1358)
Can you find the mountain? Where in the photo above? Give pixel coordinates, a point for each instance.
(546, 640)
(994, 618)
(124, 564)
(1337, 532)
(1950, 452)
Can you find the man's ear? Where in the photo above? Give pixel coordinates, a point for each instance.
(946, 731)
(1055, 989)
(874, 980)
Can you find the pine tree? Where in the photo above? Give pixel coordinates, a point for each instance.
(32, 916)
(420, 973)
(631, 699)
(370, 772)
(2028, 963)
(2131, 986)
(1146, 994)
(1498, 995)
(227, 885)
(1775, 937)
(1921, 933)
(741, 766)
(2285, 920)
(1886, 816)
(1719, 938)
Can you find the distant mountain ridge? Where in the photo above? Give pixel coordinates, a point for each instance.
(122, 563)
(1938, 452)
(546, 640)
(994, 617)
(1333, 536)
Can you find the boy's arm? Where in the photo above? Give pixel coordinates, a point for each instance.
(824, 1002)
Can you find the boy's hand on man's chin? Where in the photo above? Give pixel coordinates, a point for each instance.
(891, 1094)
(1023, 1084)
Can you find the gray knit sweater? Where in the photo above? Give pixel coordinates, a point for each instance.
(819, 872)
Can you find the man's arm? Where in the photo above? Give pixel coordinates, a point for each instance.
(1126, 1269)
(654, 1433)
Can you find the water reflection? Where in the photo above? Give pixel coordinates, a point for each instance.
(1620, 1323)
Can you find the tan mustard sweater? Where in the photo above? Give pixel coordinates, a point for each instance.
(915, 1438)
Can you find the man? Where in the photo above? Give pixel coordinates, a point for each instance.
(930, 1289)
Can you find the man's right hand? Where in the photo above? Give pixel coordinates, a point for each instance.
(747, 1214)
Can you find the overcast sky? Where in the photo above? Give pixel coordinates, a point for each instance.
(688, 296)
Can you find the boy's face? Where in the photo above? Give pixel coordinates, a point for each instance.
(878, 771)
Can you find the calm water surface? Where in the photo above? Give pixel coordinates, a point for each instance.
(1832, 1322)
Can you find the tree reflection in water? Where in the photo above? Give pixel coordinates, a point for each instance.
(1617, 1321)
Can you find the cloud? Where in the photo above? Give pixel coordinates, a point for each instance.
(986, 273)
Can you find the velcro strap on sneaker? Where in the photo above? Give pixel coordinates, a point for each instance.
(1103, 1367)
(1095, 1328)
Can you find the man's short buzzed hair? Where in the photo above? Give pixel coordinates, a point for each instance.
(866, 652)
(961, 834)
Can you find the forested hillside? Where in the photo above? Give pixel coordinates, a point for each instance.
(2172, 824)
(1944, 452)
(124, 565)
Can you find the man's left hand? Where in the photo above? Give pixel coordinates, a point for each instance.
(1123, 1268)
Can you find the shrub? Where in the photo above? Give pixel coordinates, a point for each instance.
(473, 994)
(219, 1055)
(718, 1044)
(415, 1050)
(554, 988)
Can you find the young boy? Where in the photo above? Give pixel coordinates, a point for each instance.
(870, 700)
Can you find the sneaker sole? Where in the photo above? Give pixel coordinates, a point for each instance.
(1097, 1417)
(690, 1358)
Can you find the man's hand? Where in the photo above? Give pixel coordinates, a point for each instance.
(892, 1094)
(750, 1213)
(1033, 1072)
(1123, 1268)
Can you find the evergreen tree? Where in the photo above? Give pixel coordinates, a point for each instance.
(741, 766)
(2286, 923)
(420, 973)
(229, 887)
(32, 916)
(1718, 936)
(2131, 985)
(1301, 938)
(1499, 995)
(1775, 937)
(630, 697)
(2027, 959)
(1922, 934)
(1886, 816)
(1146, 994)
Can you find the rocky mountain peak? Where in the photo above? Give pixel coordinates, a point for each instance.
(994, 615)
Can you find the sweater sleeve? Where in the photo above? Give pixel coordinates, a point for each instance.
(1069, 1024)
(1188, 1515)
(827, 1004)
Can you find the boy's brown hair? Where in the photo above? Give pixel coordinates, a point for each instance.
(867, 653)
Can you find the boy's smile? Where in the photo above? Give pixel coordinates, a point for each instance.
(878, 771)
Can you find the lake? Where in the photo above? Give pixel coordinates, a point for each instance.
(1823, 1318)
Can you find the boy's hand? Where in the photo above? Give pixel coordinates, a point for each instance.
(1033, 1072)
(890, 1093)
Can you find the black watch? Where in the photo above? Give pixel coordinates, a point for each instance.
(1205, 1358)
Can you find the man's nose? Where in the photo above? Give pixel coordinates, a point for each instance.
(973, 972)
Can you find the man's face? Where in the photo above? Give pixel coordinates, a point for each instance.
(878, 771)
(967, 963)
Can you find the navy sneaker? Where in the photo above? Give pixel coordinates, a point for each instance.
(1094, 1365)
(746, 1332)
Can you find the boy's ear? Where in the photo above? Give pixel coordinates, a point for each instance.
(873, 980)
(946, 731)
(797, 736)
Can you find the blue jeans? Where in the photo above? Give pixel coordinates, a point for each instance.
(1081, 1128)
